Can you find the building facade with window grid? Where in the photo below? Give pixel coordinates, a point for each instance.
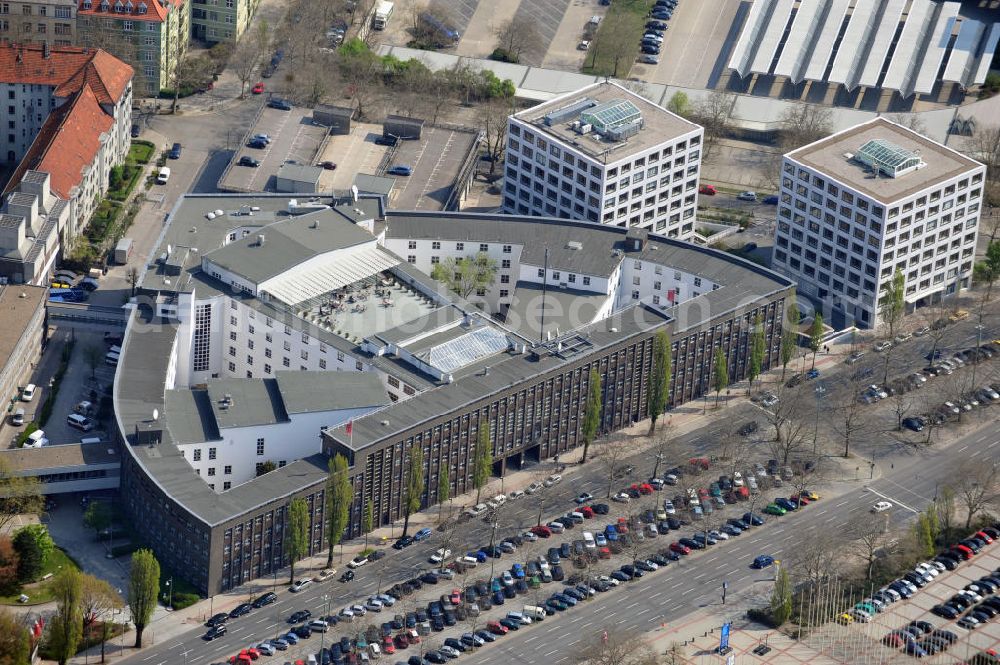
(844, 228)
(52, 22)
(559, 165)
(216, 21)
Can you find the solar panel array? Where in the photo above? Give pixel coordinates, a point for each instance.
(467, 349)
(872, 51)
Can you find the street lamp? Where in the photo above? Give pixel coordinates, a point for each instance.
(170, 591)
(820, 391)
(326, 612)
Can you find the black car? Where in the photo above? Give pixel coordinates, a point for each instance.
(217, 620)
(632, 571)
(301, 615)
(557, 573)
(435, 657)
(693, 544)
(280, 104)
(303, 631)
(405, 541)
(246, 160)
(753, 518)
(429, 578)
(215, 631)
(175, 151)
(240, 610)
(455, 644)
(135, 131)
(347, 576)
(748, 428)
(266, 599)
(387, 140)
(945, 611)
(649, 49)
(600, 508)
(565, 550)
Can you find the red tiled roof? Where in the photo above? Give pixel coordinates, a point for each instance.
(68, 68)
(67, 143)
(154, 10)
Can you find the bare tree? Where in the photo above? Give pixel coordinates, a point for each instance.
(493, 120)
(911, 121)
(978, 487)
(714, 114)
(791, 427)
(869, 536)
(850, 417)
(608, 647)
(616, 36)
(984, 145)
(611, 455)
(813, 560)
(804, 123)
(244, 62)
(515, 37)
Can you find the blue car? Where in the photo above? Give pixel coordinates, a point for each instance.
(175, 151)
(610, 532)
(423, 534)
(786, 504)
(763, 561)
(518, 571)
(770, 200)
(479, 556)
(400, 170)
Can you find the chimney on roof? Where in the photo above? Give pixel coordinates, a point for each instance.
(45, 50)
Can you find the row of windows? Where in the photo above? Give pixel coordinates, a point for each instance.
(460, 246)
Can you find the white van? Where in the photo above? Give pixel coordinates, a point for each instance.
(76, 421)
(519, 618)
(36, 439)
(111, 358)
(533, 613)
(163, 176)
(588, 540)
(28, 393)
(319, 626)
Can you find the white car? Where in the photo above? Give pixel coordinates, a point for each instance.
(530, 537)
(621, 497)
(515, 495)
(668, 508)
(583, 45)
(747, 196)
(552, 480)
(440, 555)
(881, 507)
(769, 400)
(387, 600)
(608, 580)
(36, 439)
(265, 648)
(476, 510)
(299, 585)
(497, 501)
(357, 562)
(737, 479)
(533, 487)
(877, 392)
(883, 346)
(324, 574)
(374, 604)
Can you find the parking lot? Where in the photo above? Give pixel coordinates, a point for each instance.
(294, 137)
(436, 160)
(697, 44)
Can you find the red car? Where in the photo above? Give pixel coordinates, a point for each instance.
(587, 512)
(622, 525)
(985, 536)
(497, 628)
(700, 462)
(257, 89)
(707, 190)
(541, 531)
(456, 597)
(604, 553)
(387, 645)
(680, 549)
(402, 641)
(801, 500)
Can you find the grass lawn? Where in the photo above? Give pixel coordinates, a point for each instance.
(140, 152)
(39, 592)
(616, 45)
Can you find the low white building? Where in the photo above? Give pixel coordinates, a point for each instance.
(873, 199)
(607, 155)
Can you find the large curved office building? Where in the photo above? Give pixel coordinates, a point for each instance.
(263, 326)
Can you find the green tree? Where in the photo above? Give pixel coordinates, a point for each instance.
(483, 462)
(891, 305)
(756, 353)
(923, 537)
(8, 568)
(466, 275)
(33, 545)
(97, 516)
(987, 271)
(933, 525)
(816, 335)
(789, 334)
(266, 467)
(591, 413)
(143, 585)
(20, 494)
(367, 521)
(340, 496)
(66, 626)
(680, 104)
(297, 534)
(659, 378)
(781, 598)
(444, 489)
(15, 640)
(414, 485)
(720, 377)
(97, 602)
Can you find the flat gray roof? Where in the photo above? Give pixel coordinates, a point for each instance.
(251, 402)
(563, 309)
(189, 416)
(306, 392)
(659, 124)
(300, 173)
(30, 460)
(829, 156)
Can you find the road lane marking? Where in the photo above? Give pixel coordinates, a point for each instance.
(897, 502)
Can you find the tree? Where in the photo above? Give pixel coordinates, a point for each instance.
(33, 545)
(340, 496)
(612, 647)
(21, 495)
(804, 123)
(714, 113)
(617, 37)
(781, 598)
(493, 121)
(868, 536)
(66, 626)
(15, 640)
(978, 488)
(816, 335)
(482, 466)
(514, 37)
(756, 353)
(466, 275)
(791, 429)
(98, 600)
(266, 467)
(97, 516)
(443, 490)
(789, 334)
(610, 455)
(244, 61)
(984, 145)
(923, 537)
(680, 104)
(659, 379)
(591, 413)
(93, 356)
(8, 568)
(297, 534)
(414, 485)
(362, 72)
(367, 521)
(892, 305)
(720, 376)
(143, 586)
(814, 561)
(987, 271)
(944, 506)
(850, 417)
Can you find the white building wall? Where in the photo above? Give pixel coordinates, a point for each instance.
(26, 106)
(844, 247)
(641, 280)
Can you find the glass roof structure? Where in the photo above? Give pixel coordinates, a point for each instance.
(466, 349)
(612, 114)
(887, 157)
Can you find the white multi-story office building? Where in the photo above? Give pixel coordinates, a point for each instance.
(876, 198)
(604, 154)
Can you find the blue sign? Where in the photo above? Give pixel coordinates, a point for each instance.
(724, 639)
